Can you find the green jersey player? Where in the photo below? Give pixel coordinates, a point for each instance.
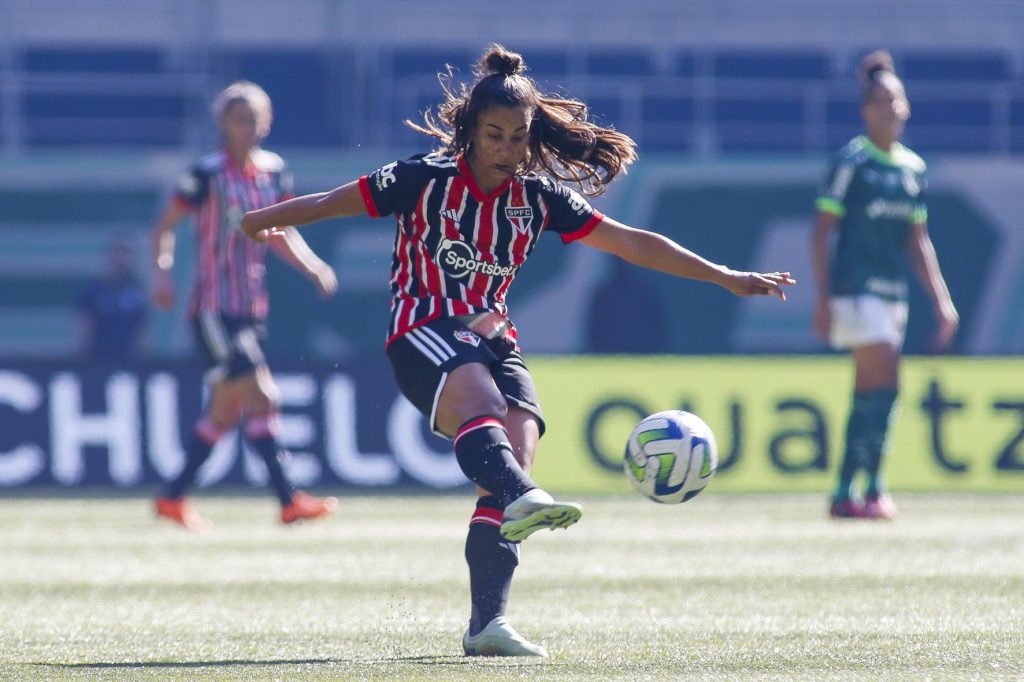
(874, 198)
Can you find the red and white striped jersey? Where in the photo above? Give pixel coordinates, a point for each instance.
(457, 249)
(231, 268)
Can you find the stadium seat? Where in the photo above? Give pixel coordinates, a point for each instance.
(944, 66)
(610, 63)
(427, 61)
(791, 65)
(111, 60)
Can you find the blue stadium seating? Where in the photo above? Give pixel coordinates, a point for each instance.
(297, 82)
(428, 61)
(315, 94)
(788, 65)
(91, 60)
(944, 66)
(610, 63)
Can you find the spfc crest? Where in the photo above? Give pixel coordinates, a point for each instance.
(466, 336)
(520, 217)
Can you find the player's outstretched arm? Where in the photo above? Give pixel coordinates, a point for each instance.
(290, 247)
(657, 252)
(338, 203)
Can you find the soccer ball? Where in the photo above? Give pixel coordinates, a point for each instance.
(671, 456)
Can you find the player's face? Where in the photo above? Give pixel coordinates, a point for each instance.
(240, 126)
(500, 141)
(886, 110)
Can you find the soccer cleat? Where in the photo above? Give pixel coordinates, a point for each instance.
(535, 510)
(181, 511)
(304, 506)
(847, 509)
(879, 507)
(499, 639)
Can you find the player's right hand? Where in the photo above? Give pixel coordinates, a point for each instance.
(163, 290)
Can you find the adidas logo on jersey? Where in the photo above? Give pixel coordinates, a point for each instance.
(450, 214)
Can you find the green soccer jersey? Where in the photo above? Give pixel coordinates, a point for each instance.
(878, 196)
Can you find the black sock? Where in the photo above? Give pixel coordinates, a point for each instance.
(197, 450)
(268, 450)
(492, 561)
(261, 432)
(485, 456)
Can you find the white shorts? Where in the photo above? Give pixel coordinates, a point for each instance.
(866, 320)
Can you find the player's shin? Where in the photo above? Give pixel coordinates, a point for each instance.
(857, 428)
(492, 560)
(882, 416)
(200, 444)
(485, 456)
(261, 432)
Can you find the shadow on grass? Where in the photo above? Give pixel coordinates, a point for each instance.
(420, 660)
(193, 664)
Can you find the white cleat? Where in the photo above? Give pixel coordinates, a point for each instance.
(499, 639)
(535, 510)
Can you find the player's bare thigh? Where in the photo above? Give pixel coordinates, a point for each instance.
(877, 366)
(469, 391)
(253, 393)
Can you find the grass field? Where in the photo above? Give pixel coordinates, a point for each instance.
(724, 587)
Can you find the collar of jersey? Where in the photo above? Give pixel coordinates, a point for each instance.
(248, 170)
(474, 188)
(888, 158)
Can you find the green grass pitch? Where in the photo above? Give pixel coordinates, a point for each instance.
(724, 587)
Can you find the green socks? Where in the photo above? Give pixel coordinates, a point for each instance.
(867, 440)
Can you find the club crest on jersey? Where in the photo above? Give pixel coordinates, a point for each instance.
(520, 216)
(466, 336)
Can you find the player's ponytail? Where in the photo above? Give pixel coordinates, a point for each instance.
(563, 143)
(874, 69)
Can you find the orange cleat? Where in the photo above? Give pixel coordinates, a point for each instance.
(304, 506)
(879, 507)
(182, 512)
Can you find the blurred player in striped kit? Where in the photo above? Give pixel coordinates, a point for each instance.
(229, 300)
(874, 198)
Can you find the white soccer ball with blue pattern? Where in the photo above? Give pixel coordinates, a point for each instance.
(671, 456)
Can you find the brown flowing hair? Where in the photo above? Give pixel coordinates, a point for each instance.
(563, 143)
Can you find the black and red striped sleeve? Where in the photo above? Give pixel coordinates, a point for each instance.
(393, 188)
(569, 213)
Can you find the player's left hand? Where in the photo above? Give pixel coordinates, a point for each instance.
(949, 323)
(758, 283)
(326, 280)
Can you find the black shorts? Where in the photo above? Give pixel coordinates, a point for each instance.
(423, 358)
(230, 345)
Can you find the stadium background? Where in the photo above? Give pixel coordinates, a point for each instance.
(736, 106)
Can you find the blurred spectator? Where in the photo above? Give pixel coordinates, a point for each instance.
(625, 314)
(113, 309)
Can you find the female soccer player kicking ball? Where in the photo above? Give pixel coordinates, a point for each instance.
(229, 301)
(468, 217)
(874, 197)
